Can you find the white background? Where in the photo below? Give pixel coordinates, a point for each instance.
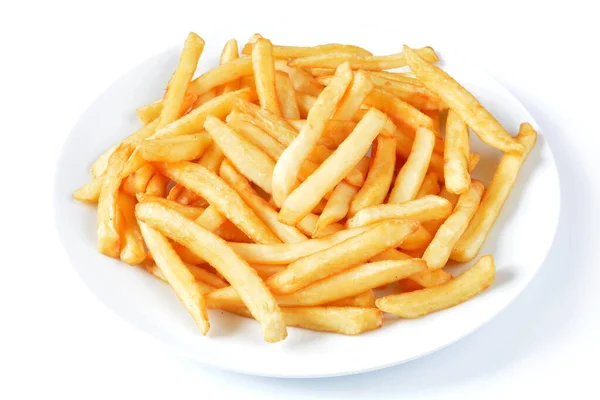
(57, 339)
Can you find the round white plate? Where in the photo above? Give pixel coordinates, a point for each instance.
(519, 243)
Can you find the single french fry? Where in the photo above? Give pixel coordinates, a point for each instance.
(287, 234)
(264, 75)
(489, 130)
(433, 225)
(308, 224)
(174, 192)
(286, 96)
(265, 271)
(438, 252)
(430, 186)
(365, 299)
(333, 169)
(177, 275)
(410, 91)
(456, 155)
(217, 253)
(180, 148)
(153, 269)
(186, 255)
(398, 110)
(417, 241)
(341, 256)
(405, 77)
(494, 198)
(150, 112)
(231, 233)
(204, 275)
(358, 90)
(379, 178)
(305, 103)
(208, 185)
(221, 75)
(204, 98)
(138, 181)
(285, 174)
(212, 158)
(109, 238)
(337, 206)
(369, 63)
(230, 53)
(334, 134)
(243, 125)
(287, 52)
(190, 212)
(410, 178)
(460, 289)
(157, 185)
(211, 219)
(428, 278)
(133, 251)
(303, 82)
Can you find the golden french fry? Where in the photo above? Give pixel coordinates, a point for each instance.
(369, 63)
(341, 256)
(398, 110)
(217, 253)
(133, 251)
(186, 255)
(494, 198)
(430, 186)
(204, 275)
(410, 91)
(174, 192)
(157, 185)
(365, 299)
(138, 181)
(337, 206)
(285, 174)
(242, 124)
(212, 158)
(433, 225)
(90, 192)
(178, 85)
(264, 75)
(334, 134)
(109, 238)
(174, 149)
(456, 155)
(230, 53)
(190, 212)
(320, 72)
(303, 82)
(221, 75)
(208, 185)
(211, 219)
(286, 96)
(405, 77)
(379, 178)
(437, 253)
(308, 224)
(489, 130)
(305, 103)
(177, 276)
(358, 90)
(460, 289)
(408, 285)
(417, 241)
(287, 234)
(265, 271)
(435, 117)
(410, 178)
(426, 208)
(333, 169)
(153, 269)
(428, 278)
(204, 98)
(150, 112)
(286, 52)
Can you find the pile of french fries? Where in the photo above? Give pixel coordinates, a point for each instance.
(250, 189)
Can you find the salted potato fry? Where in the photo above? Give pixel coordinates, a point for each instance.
(285, 174)
(266, 271)
(180, 148)
(246, 157)
(153, 269)
(334, 134)
(305, 103)
(286, 96)
(243, 125)
(286, 52)
(428, 278)
(308, 224)
(303, 82)
(424, 209)
(138, 181)
(494, 198)
(157, 185)
(410, 178)
(460, 289)
(417, 241)
(109, 238)
(90, 192)
(204, 98)
(398, 110)
(489, 130)
(358, 90)
(405, 77)
(177, 276)
(430, 186)
(190, 212)
(229, 53)
(133, 251)
(365, 299)
(456, 155)
(409, 90)
(211, 219)
(264, 75)
(287, 234)
(333, 169)
(341, 256)
(150, 112)
(379, 178)
(433, 225)
(337, 206)
(438, 252)
(178, 85)
(202, 274)
(217, 253)
(212, 158)
(221, 75)
(369, 63)
(208, 185)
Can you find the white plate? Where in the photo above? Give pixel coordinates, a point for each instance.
(519, 243)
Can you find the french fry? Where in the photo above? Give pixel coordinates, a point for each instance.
(286, 96)
(341, 256)
(333, 169)
(320, 72)
(408, 90)
(177, 276)
(435, 117)
(264, 75)
(229, 53)
(217, 253)
(417, 241)
(286, 52)
(408, 285)
(430, 186)
(305, 103)
(179, 148)
(266, 271)
(247, 158)
(365, 299)
(342, 320)
(285, 174)
(337, 206)
(243, 125)
(456, 155)
(438, 252)
(334, 134)
(410, 178)
(212, 158)
(221, 75)
(231, 233)
(190, 212)
(405, 77)
(428, 278)
(399, 111)
(133, 251)
(211, 219)
(109, 238)
(494, 198)
(157, 185)
(489, 130)
(176, 90)
(153, 269)
(287, 234)
(150, 112)
(433, 225)
(308, 224)
(358, 90)
(460, 289)
(138, 181)
(369, 63)
(208, 185)
(90, 192)
(379, 178)
(303, 82)
(427, 208)
(204, 97)
(204, 275)
(186, 255)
